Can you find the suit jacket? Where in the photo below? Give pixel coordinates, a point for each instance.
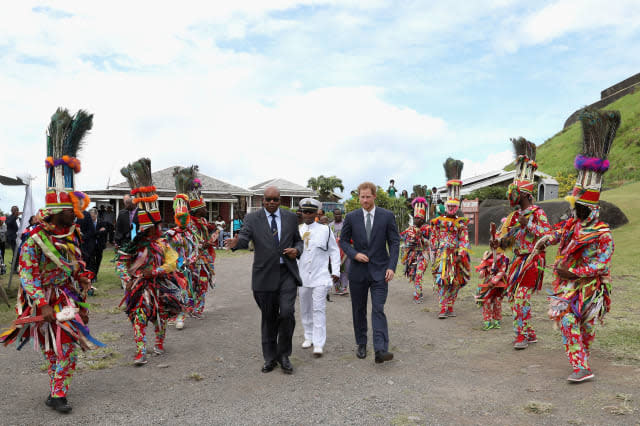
(123, 227)
(92, 238)
(384, 233)
(266, 259)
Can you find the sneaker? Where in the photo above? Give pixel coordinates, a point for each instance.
(532, 338)
(442, 314)
(306, 344)
(317, 351)
(172, 321)
(487, 325)
(418, 301)
(580, 375)
(520, 343)
(179, 324)
(60, 405)
(198, 316)
(140, 360)
(158, 349)
(496, 324)
(450, 313)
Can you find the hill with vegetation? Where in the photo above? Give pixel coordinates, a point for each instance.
(556, 155)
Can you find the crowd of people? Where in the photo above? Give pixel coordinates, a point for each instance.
(166, 274)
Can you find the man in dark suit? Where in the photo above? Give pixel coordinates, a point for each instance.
(126, 222)
(275, 278)
(365, 235)
(94, 238)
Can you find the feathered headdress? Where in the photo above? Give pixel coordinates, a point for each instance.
(598, 132)
(183, 178)
(138, 175)
(420, 190)
(419, 205)
(195, 197)
(523, 181)
(453, 172)
(65, 138)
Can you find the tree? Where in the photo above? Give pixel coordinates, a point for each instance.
(324, 186)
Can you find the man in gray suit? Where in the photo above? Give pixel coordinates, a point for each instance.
(365, 235)
(275, 278)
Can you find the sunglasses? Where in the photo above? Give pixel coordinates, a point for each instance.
(272, 199)
(309, 211)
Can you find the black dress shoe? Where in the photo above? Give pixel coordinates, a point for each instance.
(60, 405)
(285, 364)
(382, 356)
(269, 366)
(361, 352)
(49, 401)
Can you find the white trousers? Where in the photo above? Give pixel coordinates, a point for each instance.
(313, 304)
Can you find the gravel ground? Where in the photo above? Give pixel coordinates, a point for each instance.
(444, 371)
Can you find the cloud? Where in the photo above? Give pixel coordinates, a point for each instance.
(296, 88)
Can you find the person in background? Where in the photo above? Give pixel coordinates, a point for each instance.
(94, 239)
(13, 225)
(404, 194)
(392, 189)
(109, 220)
(220, 225)
(324, 220)
(236, 224)
(3, 241)
(299, 217)
(127, 222)
(342, 286)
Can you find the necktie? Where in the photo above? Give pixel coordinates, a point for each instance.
(274, 229)
(367, 227)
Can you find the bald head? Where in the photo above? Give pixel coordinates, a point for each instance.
(271, 199)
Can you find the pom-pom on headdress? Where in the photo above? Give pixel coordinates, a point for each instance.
(195, 198)
(65, 138)
(453, 172)
(183, 178)
(523, 181)
(598, 132)
(138, 175)
(419, 205)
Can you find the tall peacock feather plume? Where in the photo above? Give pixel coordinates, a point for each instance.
(523, 147)
(65, 137)
(453, 169)
(598, 132)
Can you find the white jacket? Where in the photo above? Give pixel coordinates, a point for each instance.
(320, 248)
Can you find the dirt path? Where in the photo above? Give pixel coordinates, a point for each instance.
(445, 371)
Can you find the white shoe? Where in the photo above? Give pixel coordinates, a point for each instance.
(317, 351)
(179, 324)
(306, 344)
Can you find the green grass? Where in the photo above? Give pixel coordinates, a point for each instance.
(557, 153)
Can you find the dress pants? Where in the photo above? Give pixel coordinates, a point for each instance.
(313, 305)
(278, 316)
(359, 294)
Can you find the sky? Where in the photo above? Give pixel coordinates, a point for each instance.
(253, 90)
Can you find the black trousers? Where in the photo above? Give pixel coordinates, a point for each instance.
(94, 261)
(278, 317)
(359, 295)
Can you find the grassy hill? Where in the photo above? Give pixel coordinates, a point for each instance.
(557, 153)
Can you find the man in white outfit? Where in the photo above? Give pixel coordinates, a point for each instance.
(320, 248)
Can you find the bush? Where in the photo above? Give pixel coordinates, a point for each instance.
(489, 192)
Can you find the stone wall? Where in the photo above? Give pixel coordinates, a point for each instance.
(609, 95)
